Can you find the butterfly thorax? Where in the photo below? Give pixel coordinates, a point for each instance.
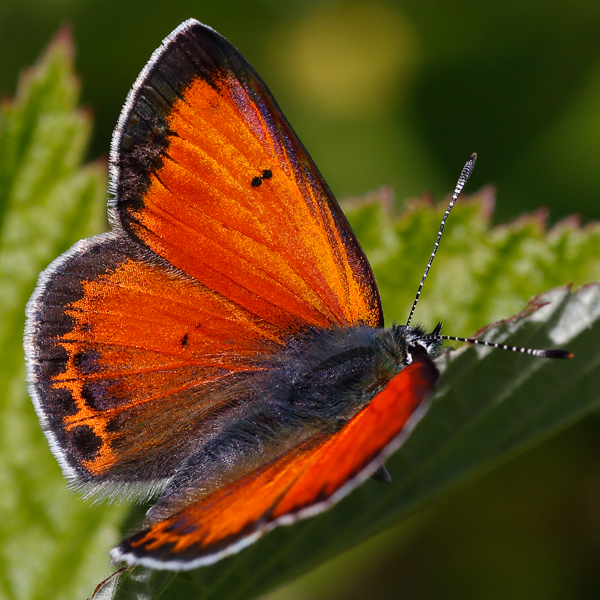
(324, 377)
(327, 375)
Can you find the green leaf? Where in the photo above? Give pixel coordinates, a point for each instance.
(53, 543)
(480, 274)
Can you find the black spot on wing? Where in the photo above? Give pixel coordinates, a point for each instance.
(86, 362)
(266, 174)
(85, 442)
(100, 395)
(62, 404)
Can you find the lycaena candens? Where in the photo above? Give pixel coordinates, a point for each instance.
(222, 348)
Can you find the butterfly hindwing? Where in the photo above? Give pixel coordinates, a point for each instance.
(298, 484)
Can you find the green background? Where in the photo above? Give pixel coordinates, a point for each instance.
(380, 92)
(401, 94)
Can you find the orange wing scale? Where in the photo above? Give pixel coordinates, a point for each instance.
(306, 480)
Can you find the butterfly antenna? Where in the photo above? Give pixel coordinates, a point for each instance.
(462, 180)
(531, 351)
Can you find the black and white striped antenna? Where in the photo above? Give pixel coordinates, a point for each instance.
(530, 351)
(436, 333)
(462, 180)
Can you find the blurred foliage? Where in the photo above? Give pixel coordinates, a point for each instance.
(480, 275)
(52, 544)
(380, 92)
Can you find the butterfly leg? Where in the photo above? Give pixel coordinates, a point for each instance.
(382, 475)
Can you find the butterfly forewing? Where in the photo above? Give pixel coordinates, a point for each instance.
(208, 173)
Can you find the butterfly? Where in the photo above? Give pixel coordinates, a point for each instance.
(222, 348)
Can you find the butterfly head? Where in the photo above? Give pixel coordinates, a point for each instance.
(413, 341)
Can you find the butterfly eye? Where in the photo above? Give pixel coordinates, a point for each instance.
(417, 349)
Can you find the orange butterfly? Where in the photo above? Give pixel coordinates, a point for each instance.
(222, 347)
